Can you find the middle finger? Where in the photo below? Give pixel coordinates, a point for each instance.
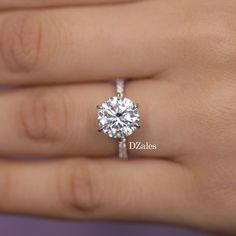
(62, 45)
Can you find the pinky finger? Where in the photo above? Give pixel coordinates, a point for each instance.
(83, 189)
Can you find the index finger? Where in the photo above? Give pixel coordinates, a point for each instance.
(11, 4)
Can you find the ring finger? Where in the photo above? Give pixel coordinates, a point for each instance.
(61, 120)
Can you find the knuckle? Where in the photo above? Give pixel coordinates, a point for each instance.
(220, 43)
(211, 39)
(78, 188)
(220, 106)
(44, 115)
(216, 192)
(21, 41)
(224, 48)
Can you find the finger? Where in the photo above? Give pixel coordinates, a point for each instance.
(81, 44)
(101, 189)
(62, 120)
(12, 4)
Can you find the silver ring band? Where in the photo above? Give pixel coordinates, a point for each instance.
(123, 155)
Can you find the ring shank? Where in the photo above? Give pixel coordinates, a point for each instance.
(123, 155)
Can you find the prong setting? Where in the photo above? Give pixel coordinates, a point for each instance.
(118, 117)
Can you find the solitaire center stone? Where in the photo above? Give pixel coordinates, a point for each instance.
(118, 117)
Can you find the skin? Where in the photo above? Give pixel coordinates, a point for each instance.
(180, 58)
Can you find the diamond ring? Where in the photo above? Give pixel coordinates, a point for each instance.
(118, 117)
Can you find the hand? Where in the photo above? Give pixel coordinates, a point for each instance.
(180, 56)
